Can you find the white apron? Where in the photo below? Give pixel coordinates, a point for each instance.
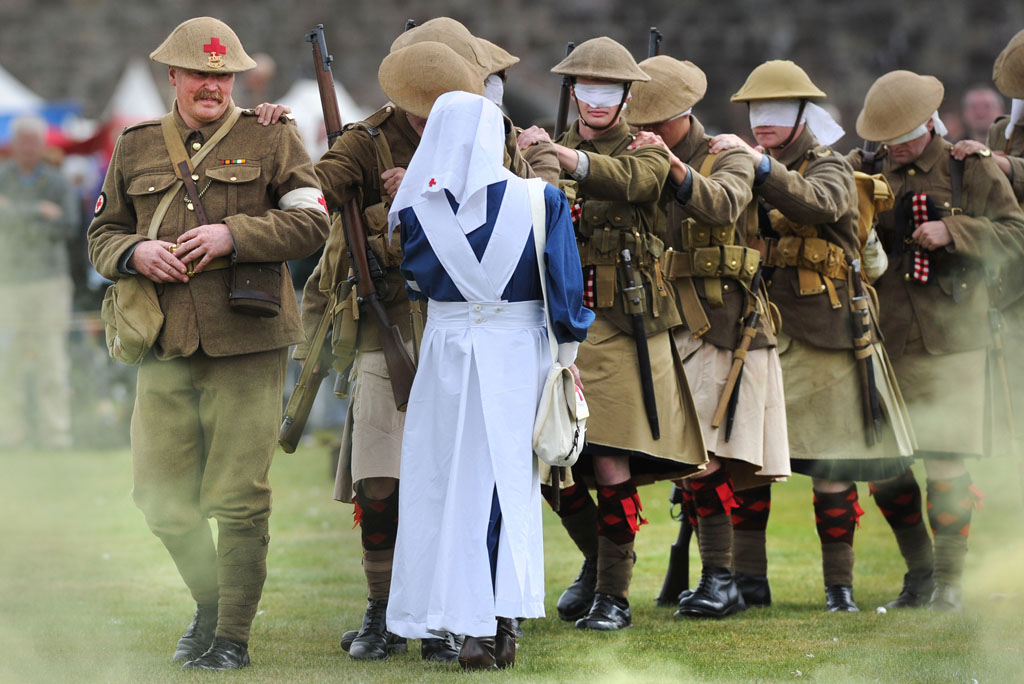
(469, 430)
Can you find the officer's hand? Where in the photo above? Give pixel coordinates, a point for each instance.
(531, 136)
(267, 113)
(931, 235)
(153, 259)
(202, 244)
(392, 180)
(576, 376)
(49, 210)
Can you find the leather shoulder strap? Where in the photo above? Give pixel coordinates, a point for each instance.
(707, 164)
(956, 176)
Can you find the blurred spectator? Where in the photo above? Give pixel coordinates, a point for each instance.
(255, 83)
(38, 216)
(981, 106)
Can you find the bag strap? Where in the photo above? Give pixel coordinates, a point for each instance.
(956, 177)
(707, 164)
(176, 150)
(535, 186)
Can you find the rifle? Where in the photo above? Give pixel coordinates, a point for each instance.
(633, 295)
(400, 364)
(654, 42)
(410, 24)
(867, 159)
(861, 320)
(677, 576)
(314, 370)
(726, 409)
(562, 118)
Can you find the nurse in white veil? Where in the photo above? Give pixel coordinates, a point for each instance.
(469, 552)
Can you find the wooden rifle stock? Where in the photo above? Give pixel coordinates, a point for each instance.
(562, 118)
(314, 370)
(400, 364)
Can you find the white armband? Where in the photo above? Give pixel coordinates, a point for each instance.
(303, 198)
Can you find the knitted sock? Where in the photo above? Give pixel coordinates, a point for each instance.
(899, 501)
(619, 512)
(837, 516)
(749, 523)
(578, 514)
(713, 499)
(950, 503)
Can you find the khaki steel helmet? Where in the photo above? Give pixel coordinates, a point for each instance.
(778, 79)
(453, 34)
(896, 104)
(414, 76)
(203, 44)
(1008, 72)
(675, 86)
(500, 58)
(602, 59)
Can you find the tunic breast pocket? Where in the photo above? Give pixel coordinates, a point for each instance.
(230, 185)
(145, 192)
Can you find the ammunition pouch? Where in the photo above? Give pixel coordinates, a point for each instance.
(256, 289)
(817, 261)
(345, 328)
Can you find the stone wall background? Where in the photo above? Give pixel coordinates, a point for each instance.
(76, 49)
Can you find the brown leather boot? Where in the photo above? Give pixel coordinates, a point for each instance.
(477, 654)
(505, 643)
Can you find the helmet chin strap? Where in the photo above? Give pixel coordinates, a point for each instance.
(618, 110)
(792, 132)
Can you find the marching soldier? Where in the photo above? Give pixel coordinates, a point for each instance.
(950, 222)
(809, 208)
(643, 426)
(707, 201)
(368, 161)
(208, 405)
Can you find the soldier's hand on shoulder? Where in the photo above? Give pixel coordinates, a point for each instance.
(648, 138)
(932, 235)
(267, 113)
(392, 179)
(728, 141)
(202, 244)
(966, 148)
(532, 136)
(154, 260)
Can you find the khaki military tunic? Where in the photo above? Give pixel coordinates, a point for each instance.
(618, 210)
(938, 333)
(720, 204)
(372, 437)
(208, 404)
(813, 193)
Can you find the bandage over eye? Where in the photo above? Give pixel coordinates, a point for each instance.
(783, 113)
(599, 95)
(494, 89)
(940, 128)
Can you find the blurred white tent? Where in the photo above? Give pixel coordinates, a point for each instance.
(136, 97)
(14, 96)
(304, 99)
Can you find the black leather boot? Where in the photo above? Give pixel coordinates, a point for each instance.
(197, 638)
(839, 599)
(916, 592)
(716, 596)
(223, 654)
(577, 599)
(374, 641)
(478, 654)
(946, 598)
(754, 589)
(607, 613)
(443, 650)
(347, 638)
(505, 643)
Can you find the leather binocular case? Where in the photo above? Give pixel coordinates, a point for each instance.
(256, 289)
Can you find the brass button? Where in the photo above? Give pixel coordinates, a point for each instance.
(733, 263)
(195, 176)
(707, 264)
(821, 289)
(726, 287)
(618, 218)
(234, 178)
(911, 172)
(151, 188)
(963, 286)
(387, 109)
(906, 277)
(945, 204)
(197, 145)
(190, 207)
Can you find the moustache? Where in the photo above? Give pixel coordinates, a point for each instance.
(208, 95)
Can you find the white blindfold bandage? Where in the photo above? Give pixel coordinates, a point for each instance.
(598, 96)
(494, 89)
(680, 116)
(1016, 116)
(940, 128)
(783, 113)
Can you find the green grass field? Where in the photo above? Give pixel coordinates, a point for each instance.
(87, 594)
